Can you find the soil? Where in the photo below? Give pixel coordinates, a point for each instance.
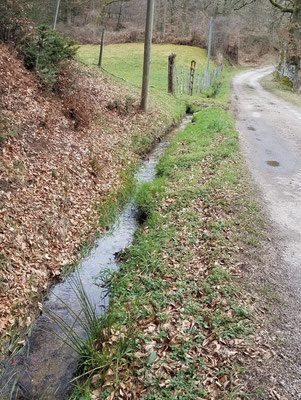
(272, 151)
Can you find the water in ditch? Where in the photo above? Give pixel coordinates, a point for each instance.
(45, 367)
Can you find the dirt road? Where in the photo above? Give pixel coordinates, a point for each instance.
(270, 136)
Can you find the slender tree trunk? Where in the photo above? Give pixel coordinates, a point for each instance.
(69, 15)
(172, 12)
(158, 16)
(186, 22)
(147, 54)
(118, 27)
(295, 32)
(164, 17)
(290, 56)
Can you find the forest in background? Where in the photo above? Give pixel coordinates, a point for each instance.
(243, 30)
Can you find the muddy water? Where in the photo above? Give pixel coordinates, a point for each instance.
(45, 367)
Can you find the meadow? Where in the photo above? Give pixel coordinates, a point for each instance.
(126, 61)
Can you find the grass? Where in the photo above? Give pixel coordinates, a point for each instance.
(126, 60)
(283, 91)
(174, 298)
(141, 290)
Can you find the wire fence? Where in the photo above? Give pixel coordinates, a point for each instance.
(195, 83)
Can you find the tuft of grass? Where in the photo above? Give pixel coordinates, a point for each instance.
(86, 320)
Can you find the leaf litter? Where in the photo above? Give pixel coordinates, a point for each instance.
(61, 155)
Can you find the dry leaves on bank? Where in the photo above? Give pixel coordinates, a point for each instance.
(60, 156)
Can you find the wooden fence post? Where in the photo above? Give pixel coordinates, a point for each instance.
(191, 77)
(171, 73)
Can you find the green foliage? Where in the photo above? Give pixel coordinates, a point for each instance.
(45, 53)
(287, 82)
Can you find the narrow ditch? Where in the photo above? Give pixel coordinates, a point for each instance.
(46, 365)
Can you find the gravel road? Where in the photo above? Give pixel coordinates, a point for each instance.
(270, 137)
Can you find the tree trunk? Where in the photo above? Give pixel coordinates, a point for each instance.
(164, 17)
(158, 17)
(118, 27)
(289, 66)
(69, 15)
(186, 21)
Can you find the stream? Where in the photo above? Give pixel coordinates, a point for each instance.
(46, 365)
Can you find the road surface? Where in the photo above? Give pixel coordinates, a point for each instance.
(270, 137)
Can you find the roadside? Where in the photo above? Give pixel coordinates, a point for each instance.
(270, 141)
(181, 324)
(283, 91)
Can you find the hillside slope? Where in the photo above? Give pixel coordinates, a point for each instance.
(60, 156)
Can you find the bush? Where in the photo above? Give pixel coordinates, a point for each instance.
(45, 53)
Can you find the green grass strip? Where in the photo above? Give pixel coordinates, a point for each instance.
(175, 309)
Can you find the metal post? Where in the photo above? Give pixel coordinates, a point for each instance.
(147, 53)
(210, 43)
(56, 14)
(101, 47)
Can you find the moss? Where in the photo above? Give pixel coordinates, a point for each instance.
(282, 53)
(286, 82)
(277, 76)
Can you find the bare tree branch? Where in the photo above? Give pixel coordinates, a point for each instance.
(243, 5)
(281, 7)
(108, 2)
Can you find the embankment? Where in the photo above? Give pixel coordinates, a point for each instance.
(64, 156)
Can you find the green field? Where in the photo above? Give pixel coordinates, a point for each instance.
(126, 60)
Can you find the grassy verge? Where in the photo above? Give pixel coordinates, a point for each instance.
(285, 92)
(178, 321)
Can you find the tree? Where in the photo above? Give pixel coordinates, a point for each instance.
(289, 67)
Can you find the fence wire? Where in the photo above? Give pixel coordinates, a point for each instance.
(195, 83)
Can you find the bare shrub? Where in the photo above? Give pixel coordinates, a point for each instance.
(14, 25)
